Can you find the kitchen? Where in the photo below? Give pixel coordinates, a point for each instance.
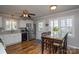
(13, 30)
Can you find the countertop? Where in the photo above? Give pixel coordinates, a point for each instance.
(12, 32)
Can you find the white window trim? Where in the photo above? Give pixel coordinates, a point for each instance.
(59, 22)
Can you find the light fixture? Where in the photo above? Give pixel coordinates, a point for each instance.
(25, 15)
(53, 7)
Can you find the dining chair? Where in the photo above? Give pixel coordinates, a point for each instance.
(46, 44)
(60, 46)
(65, 43)
(46, 40)
(46, 33)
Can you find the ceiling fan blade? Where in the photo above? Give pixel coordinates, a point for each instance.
(31, 14)
(29, 17)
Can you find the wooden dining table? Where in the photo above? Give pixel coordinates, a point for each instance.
(51, 38)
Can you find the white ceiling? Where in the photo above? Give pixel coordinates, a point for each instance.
(39, 10)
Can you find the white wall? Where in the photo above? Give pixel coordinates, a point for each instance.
(76, 27)
(75, 39)
(0, 22)
(38, 33)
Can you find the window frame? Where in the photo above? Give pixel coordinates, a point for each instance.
(65, 20)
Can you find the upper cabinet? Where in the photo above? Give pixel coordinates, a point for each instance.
(10, 24)
(22, 23)
(0, 21)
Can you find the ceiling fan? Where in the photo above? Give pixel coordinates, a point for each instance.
(26, 15)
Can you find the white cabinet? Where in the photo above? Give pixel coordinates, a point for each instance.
(0, 21)
(2, 49)
(22, 23)
(10, 39)
(10, 24)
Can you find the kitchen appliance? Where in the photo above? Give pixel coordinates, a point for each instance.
(30, 31)
(24, 34)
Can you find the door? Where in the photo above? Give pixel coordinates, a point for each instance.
(40, 29)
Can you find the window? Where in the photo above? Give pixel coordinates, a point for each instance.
(8, 25)
(40, 26)
(61, 26)
(66, 26)
(54, 27)
(63, 23)
(55, 23)
(11, 25)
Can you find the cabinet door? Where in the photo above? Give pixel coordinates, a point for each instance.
(11, 39)
(22, 23)
(0, 21)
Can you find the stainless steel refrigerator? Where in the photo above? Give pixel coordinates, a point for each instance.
(30, 31)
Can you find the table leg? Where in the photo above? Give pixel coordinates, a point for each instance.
(42, 42)
(50, 49)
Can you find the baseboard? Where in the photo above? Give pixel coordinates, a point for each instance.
(38, 41)
(73, 47)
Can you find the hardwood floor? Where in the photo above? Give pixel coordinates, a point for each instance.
(32, 47)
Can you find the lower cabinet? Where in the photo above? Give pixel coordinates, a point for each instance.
(10, 39)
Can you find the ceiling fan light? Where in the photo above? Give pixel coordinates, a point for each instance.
(25, 15)
(53, 7)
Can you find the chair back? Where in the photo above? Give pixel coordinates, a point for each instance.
(49, 32)
(65, 41)
(46, 33)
